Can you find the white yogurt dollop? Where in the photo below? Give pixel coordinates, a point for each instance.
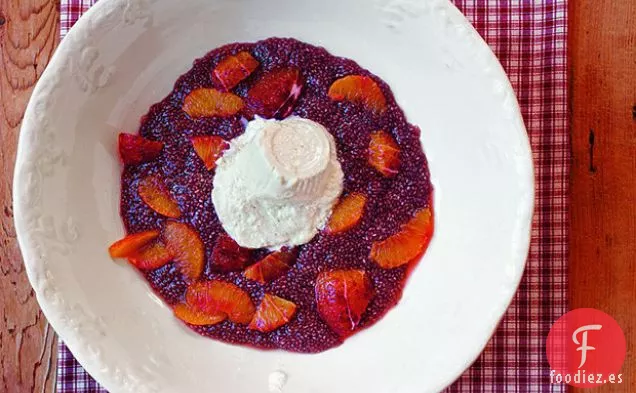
(277, 183)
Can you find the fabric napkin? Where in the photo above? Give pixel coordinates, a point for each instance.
(529, 38)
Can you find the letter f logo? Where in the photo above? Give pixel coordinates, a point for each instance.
(583, 344)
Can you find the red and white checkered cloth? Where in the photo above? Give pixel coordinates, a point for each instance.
(529, 38)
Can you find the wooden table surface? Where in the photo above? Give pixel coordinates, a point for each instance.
(602, 48)
(603, 182)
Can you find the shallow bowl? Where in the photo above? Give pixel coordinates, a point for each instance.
(125, 55)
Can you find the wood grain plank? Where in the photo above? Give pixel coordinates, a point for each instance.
(603, 184)
(29, 31)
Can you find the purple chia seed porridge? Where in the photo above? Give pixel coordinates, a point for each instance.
(391, 201)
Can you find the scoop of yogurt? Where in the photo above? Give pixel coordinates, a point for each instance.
(277, 183)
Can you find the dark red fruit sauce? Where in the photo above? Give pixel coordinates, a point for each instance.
(391, 201)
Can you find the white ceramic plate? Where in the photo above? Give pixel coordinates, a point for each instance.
(124, 55)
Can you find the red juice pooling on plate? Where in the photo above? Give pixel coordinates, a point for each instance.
(307, 298)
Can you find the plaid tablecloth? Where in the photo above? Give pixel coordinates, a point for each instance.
(529, 38)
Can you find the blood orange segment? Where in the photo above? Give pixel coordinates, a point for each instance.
(132, 243)
(205, 102)
(406, 245)
(209, 149)
(271, 267)
(218, 296)
(135, 150)
(192, 316)
(272, 313)
(359, 89)
(342, 297)
(156, 195)
(347, 213)
(276, 93)
(152, 256)
(186, 245)
(228, 256)
(384, 154)
(233, 69)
